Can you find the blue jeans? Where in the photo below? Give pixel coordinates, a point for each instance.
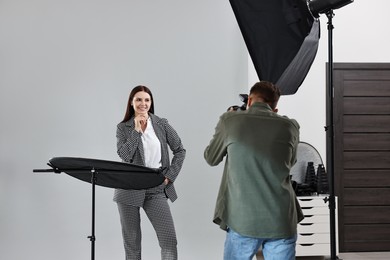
(238, 247)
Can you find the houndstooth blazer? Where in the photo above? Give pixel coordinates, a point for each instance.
(130, 149)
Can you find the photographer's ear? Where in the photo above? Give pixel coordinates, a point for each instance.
(250, 101)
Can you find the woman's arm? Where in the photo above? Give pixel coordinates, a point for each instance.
(179, 153)
(127, 142)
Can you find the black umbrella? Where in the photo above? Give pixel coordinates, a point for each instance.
(105, 173)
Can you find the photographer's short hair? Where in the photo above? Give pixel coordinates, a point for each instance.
(267, 91)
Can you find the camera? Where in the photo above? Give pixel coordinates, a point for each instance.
(244, 99)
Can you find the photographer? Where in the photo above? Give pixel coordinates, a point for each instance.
(256, 203)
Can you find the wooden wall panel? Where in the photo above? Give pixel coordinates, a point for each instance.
(366, 178)
(366, 246)
(362, 155)
(366, 160)
(366, 105)
(367, 215)
(365, 88)
(367, 197)
(373, 232)
(367, 141)
(366, 123)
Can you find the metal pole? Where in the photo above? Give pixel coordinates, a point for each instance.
(92, 236)
(330, 139)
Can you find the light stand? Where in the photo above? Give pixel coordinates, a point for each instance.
(330, 138)
(317, 7)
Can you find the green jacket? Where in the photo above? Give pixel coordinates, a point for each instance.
(256, 198)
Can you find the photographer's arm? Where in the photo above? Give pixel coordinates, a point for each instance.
(216, 150)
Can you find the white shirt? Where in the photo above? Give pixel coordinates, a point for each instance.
(152, 146)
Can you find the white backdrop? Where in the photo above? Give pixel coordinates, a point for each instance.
(66, 69)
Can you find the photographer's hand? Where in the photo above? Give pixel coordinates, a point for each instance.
(232, 108)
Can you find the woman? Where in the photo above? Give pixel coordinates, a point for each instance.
(143, 139)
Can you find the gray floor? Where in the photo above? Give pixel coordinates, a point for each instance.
(355, 256)
(348, 256)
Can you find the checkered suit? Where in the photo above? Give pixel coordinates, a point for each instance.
(153, 200)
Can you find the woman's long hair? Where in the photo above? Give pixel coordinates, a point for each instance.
(130, 109)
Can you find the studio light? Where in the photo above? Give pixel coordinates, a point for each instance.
(282, 39)
(318, 7)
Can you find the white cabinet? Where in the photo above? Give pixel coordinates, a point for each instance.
(314, 229)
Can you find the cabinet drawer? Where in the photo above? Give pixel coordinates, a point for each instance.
(312, 201)
(310, 238)
(315, 210)
(312, 249)
(313, 228)
(316, 219)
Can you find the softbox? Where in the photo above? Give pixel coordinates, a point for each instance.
(282, 39)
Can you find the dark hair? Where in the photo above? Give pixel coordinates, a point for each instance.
(130, 109)
(267, 91)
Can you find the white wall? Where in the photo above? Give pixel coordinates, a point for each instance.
(360, 34)
(66, 69)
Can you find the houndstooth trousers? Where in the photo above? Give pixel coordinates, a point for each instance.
(157, 210)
